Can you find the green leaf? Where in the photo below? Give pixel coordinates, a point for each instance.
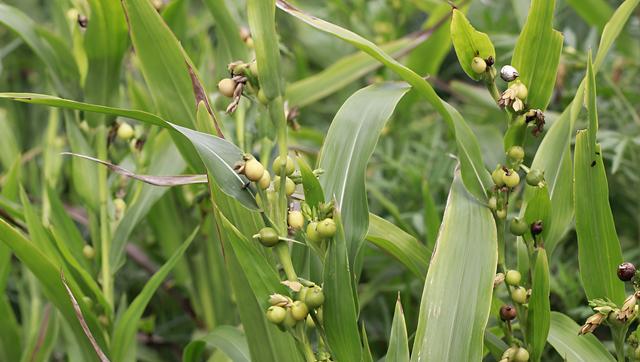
(592, 109)
(261, 18)
(537, 64)
(599, 251)
(228, 339)
(218, 155)
(612, 29)
(165, 67)
(105, 43)
(48, 273)
(539, 208)
(475, 176)
(339, 309)
(345, 71)
(231, 45)
(123, 345)
(399, 244)
(350, 141)
(366, 351)
(59, 60)
(452, 320)
(313, 194)
(564, 338)
(538, 316)
(594, 12)
(398, 350)
(469, 43)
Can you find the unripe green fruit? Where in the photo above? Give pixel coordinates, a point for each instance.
(511, 179)
(289, 187)
(265, 180)
(493, 203)
(125, 131)
(513, 277)
(518, 227)
(519, 295)
(278, 164)
(89, 252)
(262, 98)
(299, 310)
(253, 169)
(498, 176)
(326, 228)
(522, 355)
(276, 314)
(226, 87)
(302, 294)
(295, 219)
(314, 297)
(289, 321)
(312, 232)
(119, 205)
(535, 177)
(501, 214)
(268, 237)
(478, 65)
(516, 154)
(521, 90)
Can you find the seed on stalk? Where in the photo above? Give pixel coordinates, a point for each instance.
(125, 131)
(522, 355)
(226, 87)
(507, 312)
(536, 227)
(299, 310)
(478, 65)
(515, 154)
(513, 277)
(326, 228)
(535, 177)
(509, 73)
(519, 295)
(312, 232)
(253, 169)
(518, 227)
(511, 178)
(626, 271)
(314, 297)
(265, 180)
(276, 314)
(295, 219)
(278, 164)
(89, 252)
(267, 237)
(498, 176)
(289, 187)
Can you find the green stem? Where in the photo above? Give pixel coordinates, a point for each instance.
(282, 251)
(619, 335)
(501, 243)
(105, 227)
(306, 346)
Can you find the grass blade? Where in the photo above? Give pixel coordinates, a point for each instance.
(399, 244)
(536, 64)
(452, 320)
(123, 343)
(564, 338)
(350, 141)
(399, 341)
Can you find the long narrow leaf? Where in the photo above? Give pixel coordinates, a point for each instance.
(573, 347)
(538, 317)
(398, 341)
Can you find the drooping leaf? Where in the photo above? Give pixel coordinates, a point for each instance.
(399, 244)
(339, 309)
(398, 350)
(469, 43)
(538, 317)
(345, 71)
(537, 64)
(228, 339)
(350, 141)
(452, 320)
(564, 338)
(475, 176)
(123, 345)
(149, 179)
(261, 18)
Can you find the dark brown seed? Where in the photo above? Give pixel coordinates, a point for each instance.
(507, 312)
(536, 227)
(626, 271)
(83, 21)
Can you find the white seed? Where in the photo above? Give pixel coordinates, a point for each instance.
(508, 73)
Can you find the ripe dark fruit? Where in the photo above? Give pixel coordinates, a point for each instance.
(299, 310)
(326, 228)
(507, 312)
(268, 236)
(536, 228)
(518, 227)
(314, 297)
(626, 271)
(535, 177)
(276, 314)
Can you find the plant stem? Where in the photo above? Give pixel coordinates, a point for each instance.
(105, 227)
(282, 250)
(619, 335)
(501, 244)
